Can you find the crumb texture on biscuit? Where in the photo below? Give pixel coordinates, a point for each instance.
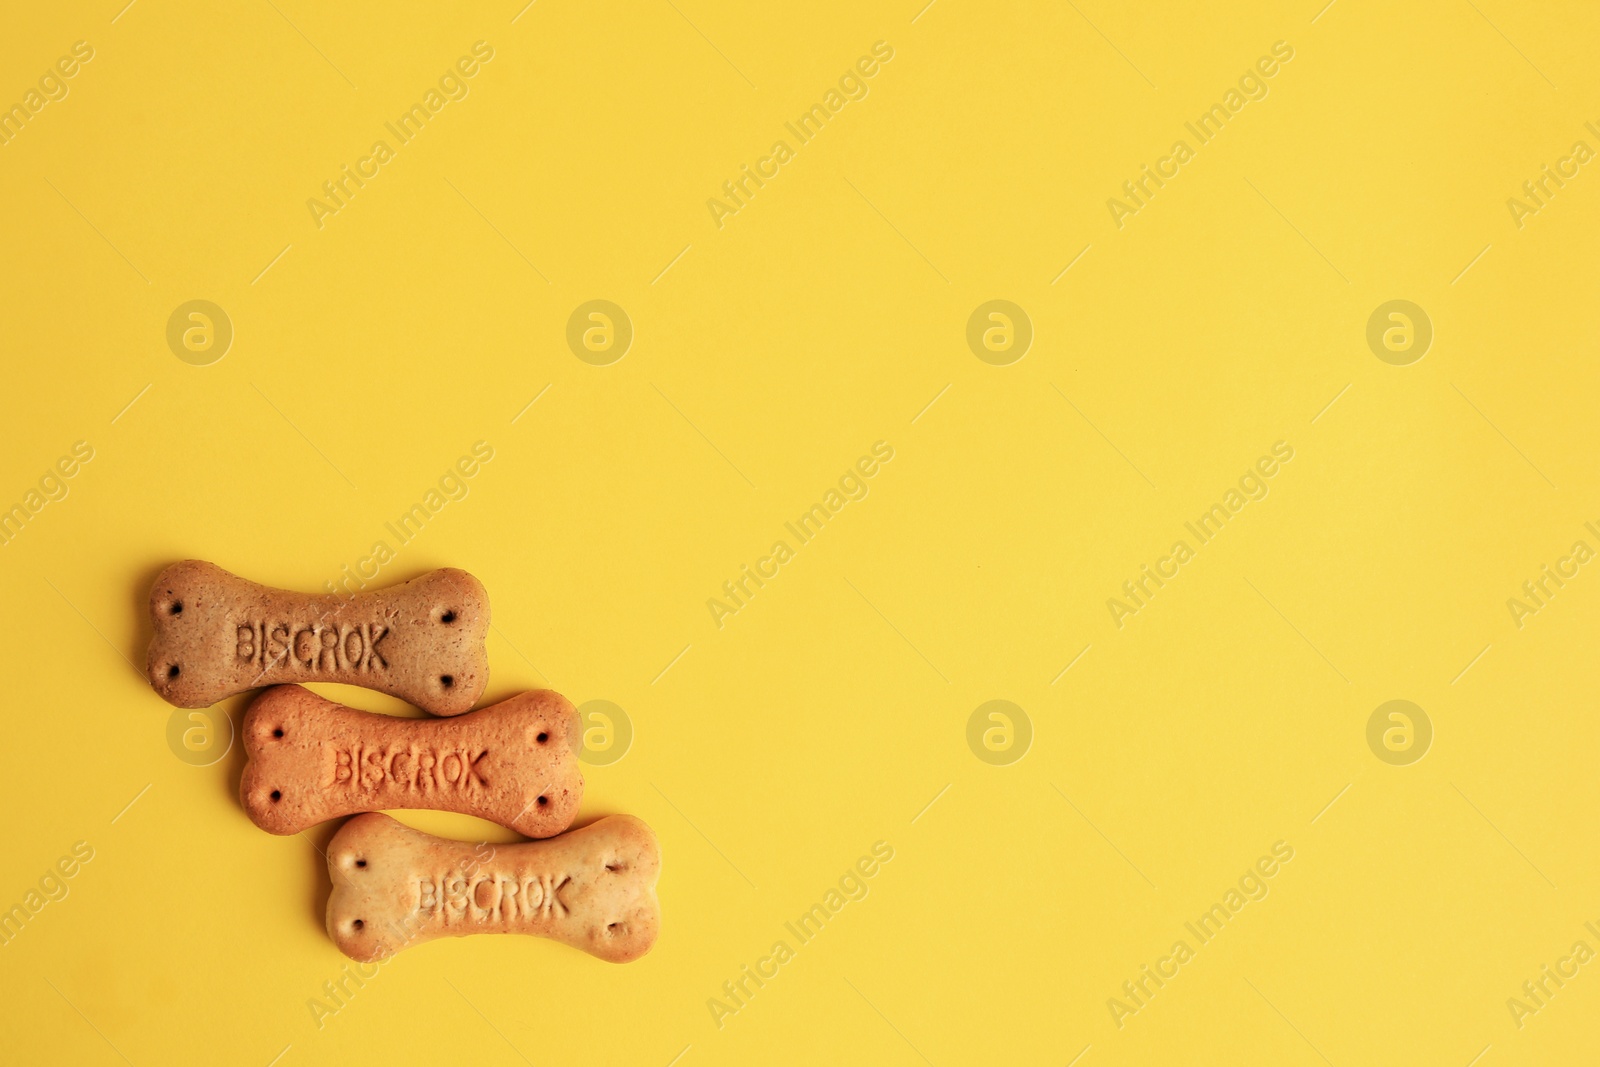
(215, 634)
(593, 888)
(310, 760)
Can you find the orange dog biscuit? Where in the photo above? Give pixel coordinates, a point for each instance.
(217, 634)
(514, 763)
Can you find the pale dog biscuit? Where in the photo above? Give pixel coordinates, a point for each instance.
(514, 763)
(217, 634)
(593, 889)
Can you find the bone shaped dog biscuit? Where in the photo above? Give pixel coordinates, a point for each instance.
(514, 763)
(593, 889)
(217, 634)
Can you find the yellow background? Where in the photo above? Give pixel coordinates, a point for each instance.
(829, 712)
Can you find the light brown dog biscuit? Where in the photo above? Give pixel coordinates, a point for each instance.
(217, 634)
(593, 889)
(514, 763)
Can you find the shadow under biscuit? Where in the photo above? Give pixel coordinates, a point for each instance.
(314, 847)
(233, 709)
(143, 631)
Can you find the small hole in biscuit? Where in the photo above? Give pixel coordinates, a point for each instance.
(276, 796)
(358, 924)
(542, 738)
(278, 732)
(543, 801)
(447, 680)
(361, 863)
(448, 617)
(612, 927)
(172, 671)
(176, 608)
